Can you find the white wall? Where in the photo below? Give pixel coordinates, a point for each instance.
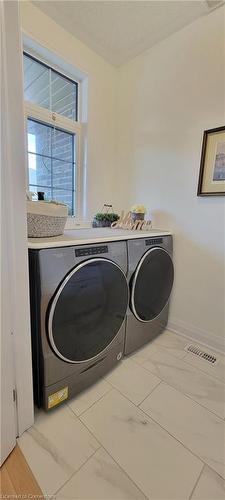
(101, 100)
(167, 97)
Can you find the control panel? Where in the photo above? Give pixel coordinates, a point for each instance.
(81, 252)
(154, 241)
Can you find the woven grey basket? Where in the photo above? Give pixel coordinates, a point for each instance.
(43, 226)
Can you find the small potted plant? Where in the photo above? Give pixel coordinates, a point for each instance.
(138, 212)
(104, 219)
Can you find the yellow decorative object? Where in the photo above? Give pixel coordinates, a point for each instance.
(138, 209)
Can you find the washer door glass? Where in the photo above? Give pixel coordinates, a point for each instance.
(88, 310)
(152, 284)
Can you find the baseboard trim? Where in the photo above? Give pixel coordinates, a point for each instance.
(210, 340)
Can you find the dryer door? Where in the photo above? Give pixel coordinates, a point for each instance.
(152, 284)
(87, 310)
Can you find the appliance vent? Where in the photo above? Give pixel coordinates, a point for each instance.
(212, 4)
(194, 349)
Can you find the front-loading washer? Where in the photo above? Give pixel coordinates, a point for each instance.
(150, 277)
(79, 299)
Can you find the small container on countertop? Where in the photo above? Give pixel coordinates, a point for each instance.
(46, 218)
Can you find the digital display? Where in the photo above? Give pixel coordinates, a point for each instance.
(154, 241)
(81, 252)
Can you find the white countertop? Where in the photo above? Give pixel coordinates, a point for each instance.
(91, 235)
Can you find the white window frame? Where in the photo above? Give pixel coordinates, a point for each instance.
(45, 116)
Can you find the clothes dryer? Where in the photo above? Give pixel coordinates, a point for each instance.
(150, 277)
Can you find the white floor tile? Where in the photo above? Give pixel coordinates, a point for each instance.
(88, 397)
(197, 428)
(210, 486)
(132, 380)
(55, 447)
(217, 370)
(160, 466)
(144, 353)
(201, 387)
(172, 343)
(100, 479)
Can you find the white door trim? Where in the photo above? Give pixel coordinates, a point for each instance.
(16, 298)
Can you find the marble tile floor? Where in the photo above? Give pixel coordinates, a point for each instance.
(153, 428)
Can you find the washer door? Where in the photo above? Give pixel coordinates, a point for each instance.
(87, 310)
(152, 284)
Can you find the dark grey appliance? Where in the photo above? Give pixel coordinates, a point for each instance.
(150, 276)
(79, 299)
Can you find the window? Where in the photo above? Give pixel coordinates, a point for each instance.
(51, 163)
(53, 132)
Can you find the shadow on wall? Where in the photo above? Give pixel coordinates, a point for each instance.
(197, 302)
(162, 220)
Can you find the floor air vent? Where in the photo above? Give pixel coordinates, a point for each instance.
(194, 349)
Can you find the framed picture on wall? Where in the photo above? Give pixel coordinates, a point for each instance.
(212, 167)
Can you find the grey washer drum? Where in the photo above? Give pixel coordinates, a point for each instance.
(73, 273)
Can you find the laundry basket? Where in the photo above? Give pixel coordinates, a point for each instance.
(46, 218)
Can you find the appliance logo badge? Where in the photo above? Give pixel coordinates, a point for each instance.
(57, 397)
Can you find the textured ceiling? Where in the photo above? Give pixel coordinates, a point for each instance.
(120, 30)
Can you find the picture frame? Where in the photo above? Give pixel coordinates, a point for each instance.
(211, 180)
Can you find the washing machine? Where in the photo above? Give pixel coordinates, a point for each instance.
(150, 277)
(79, 299)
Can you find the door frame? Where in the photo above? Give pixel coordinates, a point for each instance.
(16, 390)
